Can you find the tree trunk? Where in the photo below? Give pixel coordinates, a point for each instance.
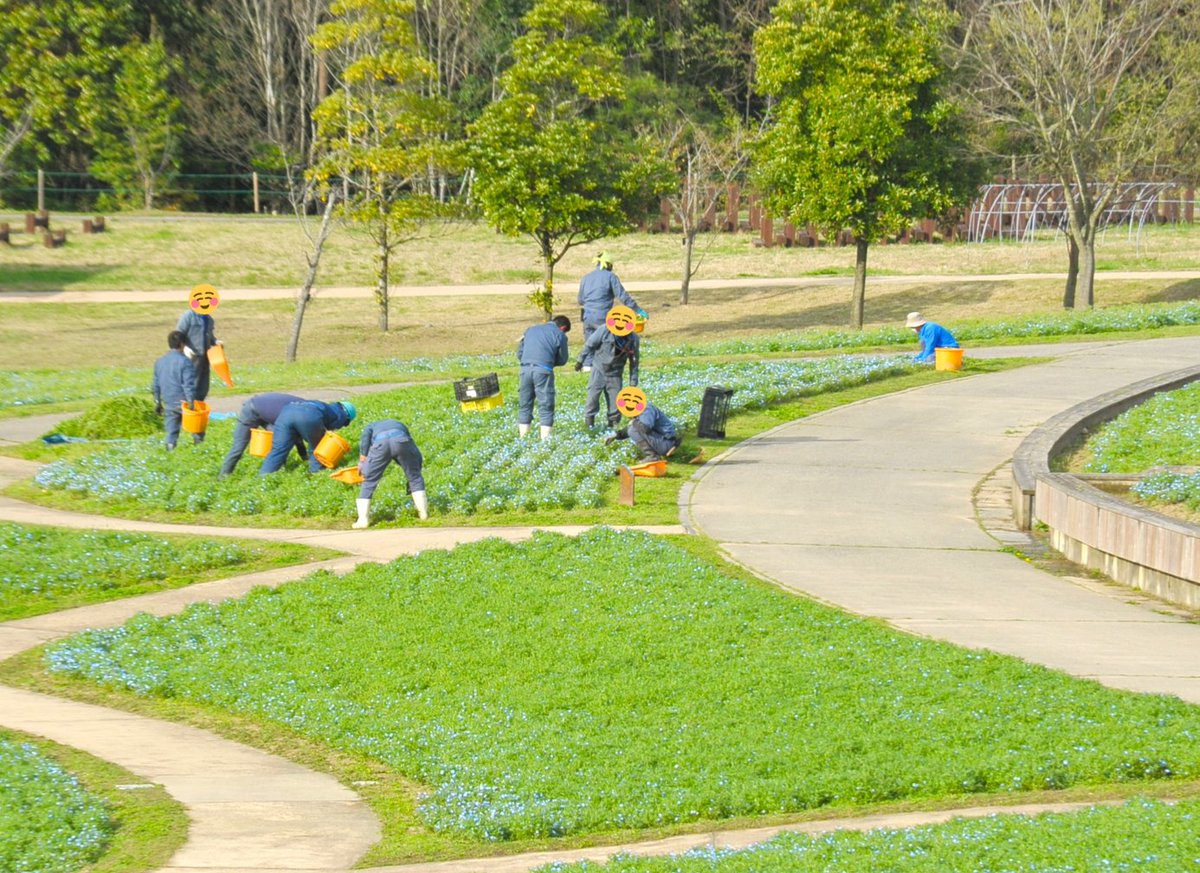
(860, 282)
(1072, 272)
(305, 294)
(689, 242)
(381, 283)
(1086, 291)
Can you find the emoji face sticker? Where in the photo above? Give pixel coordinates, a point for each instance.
(620, 320)
(204, 299)
(631, 401)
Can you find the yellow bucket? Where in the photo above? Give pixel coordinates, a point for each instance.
(260, 442)
(195, 420)
(331, 449)
(220, 365)
(947, 359)
(650, 469)
(639, 325)
(349, 475)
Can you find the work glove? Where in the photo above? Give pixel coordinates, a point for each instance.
(642, 313)
(578, 366)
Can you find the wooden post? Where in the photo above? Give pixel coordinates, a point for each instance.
(254, 181)
(98, 224)
(789, 234)
(30, 222)
(42, 219)
(4, 232)
(627, 485)
(41, 190)
(710, 214)
(87, 225)
(1189, 205)
(755, 213)
(767, 230)
(733, 204)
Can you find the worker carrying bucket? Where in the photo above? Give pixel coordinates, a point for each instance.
(258, 414)
(306, 422)
(174, 388)
(383, 443)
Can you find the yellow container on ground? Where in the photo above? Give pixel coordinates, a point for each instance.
(195, 420)
(947, 359)
(260, 442)
(482, 405)
(650, 469)
(639, 325)
(220, 365)
(331, 449)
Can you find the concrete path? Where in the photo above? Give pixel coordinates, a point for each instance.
(635, 286)
(869, 507)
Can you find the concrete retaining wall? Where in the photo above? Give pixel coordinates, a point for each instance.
(1132, 545)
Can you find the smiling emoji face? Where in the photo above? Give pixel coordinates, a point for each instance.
(620, 320)
(204, 299)
(631, 401)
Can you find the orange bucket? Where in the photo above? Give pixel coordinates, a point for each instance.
(639, 325)
(650, 469)
(195, 420)
(220, 365)
(349, 475)
(260, 442)
(331, 449)
(947, 359)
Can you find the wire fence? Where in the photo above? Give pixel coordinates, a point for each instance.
(248, 191)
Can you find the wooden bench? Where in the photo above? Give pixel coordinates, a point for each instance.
(94, 225)
(54, 239)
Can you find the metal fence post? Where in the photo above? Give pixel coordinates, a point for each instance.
(41, 190)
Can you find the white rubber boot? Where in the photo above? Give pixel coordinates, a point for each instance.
(546, 431)
(421, 502)
(522, 430)
(363, 506)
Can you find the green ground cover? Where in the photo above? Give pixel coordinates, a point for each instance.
(1162, 432)
(617, 680)
(27, 391)
(49, 823)
(475, 466)
(1141, 835)
(43, 569)
(117, 418)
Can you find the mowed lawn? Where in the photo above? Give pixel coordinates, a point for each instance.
(619, 681)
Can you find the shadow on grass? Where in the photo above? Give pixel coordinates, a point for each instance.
(1180, 291)
(37, 278)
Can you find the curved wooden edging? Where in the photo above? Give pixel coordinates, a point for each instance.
(1133, 545)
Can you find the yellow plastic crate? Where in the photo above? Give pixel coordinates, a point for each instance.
(482, 405)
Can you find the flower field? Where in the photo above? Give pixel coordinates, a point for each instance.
(31, 388)
(44, 568)
(1142, 835)
(1163, 431)
(474, 462)
(615, 680)
(48, 823)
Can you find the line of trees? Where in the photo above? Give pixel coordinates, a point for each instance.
(566, 120)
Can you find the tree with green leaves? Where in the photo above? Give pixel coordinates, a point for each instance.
(136, 129)
(862, 136)
(549, 164)
(53, 56)
(378, 131)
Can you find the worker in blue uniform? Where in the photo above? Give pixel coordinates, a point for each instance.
(305, 422)
(173, 384)
(599, 290)
(541, 349)
(382, 443)
(610, 353)
(931, 336)
(653, 432)
(262, 411)
(198, 326)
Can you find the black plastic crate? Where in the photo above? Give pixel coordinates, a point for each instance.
(477, 389)
(714, 410)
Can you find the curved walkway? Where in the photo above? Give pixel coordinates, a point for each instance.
(867, 506)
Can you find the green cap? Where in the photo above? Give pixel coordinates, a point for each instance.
(351, 412)
(604, 259)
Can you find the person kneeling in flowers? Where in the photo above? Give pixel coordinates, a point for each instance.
(382, 443)
(655, 435)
